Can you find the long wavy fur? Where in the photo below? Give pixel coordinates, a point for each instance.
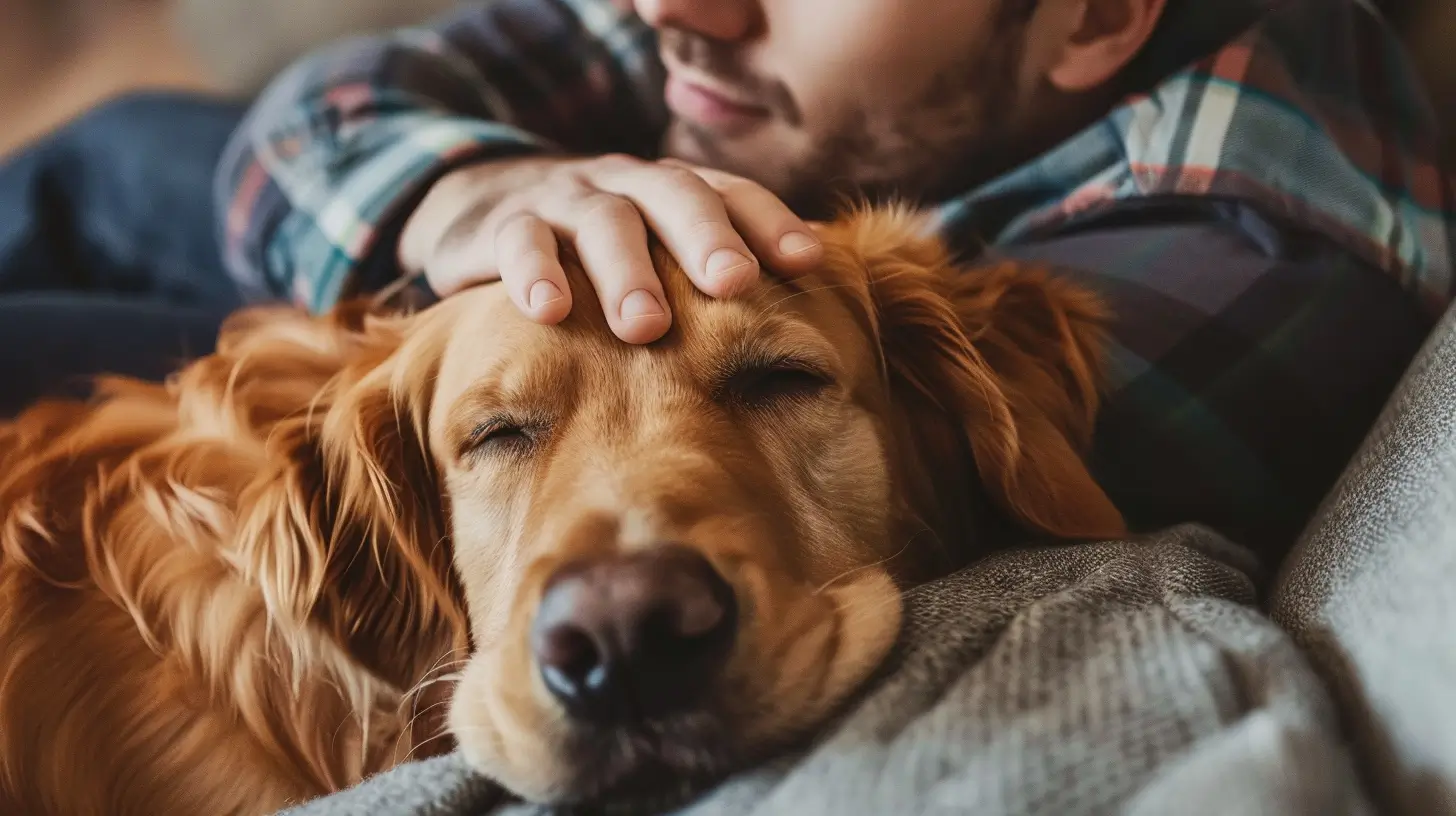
(249, 520)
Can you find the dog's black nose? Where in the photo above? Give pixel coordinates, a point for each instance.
(634, 637)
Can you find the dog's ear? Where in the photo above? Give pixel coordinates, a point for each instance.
(348, 528)
(1033, 369)
(1007, 356)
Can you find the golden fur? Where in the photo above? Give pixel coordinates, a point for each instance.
(296, 564)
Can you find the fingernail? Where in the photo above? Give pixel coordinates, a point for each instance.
(726, 261)
(639, 304)
(542, 292)
(795, 243)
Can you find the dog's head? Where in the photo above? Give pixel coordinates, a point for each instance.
(664, 559)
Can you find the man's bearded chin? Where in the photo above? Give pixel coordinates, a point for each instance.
(837, 174)
(949, 139)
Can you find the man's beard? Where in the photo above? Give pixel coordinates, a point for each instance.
(950, 137)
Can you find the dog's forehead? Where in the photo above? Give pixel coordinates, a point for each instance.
(487, 313)
(485, 328)
(492, 344)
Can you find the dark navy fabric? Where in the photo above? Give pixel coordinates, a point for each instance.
(109, 261)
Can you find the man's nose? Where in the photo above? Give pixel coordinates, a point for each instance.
(634, 637)
(725, 20)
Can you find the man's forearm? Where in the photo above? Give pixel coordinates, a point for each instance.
(316, 184)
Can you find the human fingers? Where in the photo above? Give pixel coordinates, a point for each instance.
(610, 238)
(527, 257)
(778, 237)
(691, 220)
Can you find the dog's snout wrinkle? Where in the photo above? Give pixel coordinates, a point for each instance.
(634, 637)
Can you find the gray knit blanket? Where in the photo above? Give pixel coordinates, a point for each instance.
(1130, 677)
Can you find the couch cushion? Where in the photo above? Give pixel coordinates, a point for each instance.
(1370, 590)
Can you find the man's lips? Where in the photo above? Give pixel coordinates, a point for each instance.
(711, 108)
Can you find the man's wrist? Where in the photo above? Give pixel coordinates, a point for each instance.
(461, 199)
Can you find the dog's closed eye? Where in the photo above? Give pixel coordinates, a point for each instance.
(767, 383)
(503, 436)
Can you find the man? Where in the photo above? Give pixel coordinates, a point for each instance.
(1249, 184)
(1246, 182)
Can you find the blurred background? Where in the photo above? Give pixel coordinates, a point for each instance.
(244, 42)
(58, 57)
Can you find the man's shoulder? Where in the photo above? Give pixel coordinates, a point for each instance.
(1279, 118)
(1200, 255)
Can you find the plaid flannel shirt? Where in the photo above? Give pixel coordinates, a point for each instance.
(1303, 119)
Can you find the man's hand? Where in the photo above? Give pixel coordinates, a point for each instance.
(503, 220)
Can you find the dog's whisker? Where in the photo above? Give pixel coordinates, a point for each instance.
(881, 562)
(410, 725)
(419, 687)
(440, 542)
(426, 682)
(442, 666)
(442, 731)
(766, 310)
(445, 658)
(405, 701)
(863, 606)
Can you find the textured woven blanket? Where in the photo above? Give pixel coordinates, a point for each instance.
(1129, 677)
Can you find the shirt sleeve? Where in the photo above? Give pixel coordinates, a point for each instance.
(315, 185)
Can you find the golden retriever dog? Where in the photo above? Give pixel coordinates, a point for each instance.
(337, 543)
